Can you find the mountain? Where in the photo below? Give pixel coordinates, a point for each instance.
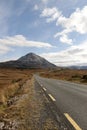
(30, 60)
(78, 67)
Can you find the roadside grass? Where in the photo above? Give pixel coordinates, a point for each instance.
(11, 81)
(78, 76)
(7, 87)
(30, 111)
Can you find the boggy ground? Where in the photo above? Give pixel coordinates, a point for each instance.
(24, 107)
(78, 76)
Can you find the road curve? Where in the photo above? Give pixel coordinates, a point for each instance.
(71, 98)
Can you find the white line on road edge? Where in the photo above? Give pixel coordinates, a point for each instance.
(52, 97)
(75, 125)
(44, 89)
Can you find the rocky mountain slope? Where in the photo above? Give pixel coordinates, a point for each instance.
(30, 60)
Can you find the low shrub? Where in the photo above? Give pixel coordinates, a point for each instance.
(84, 77)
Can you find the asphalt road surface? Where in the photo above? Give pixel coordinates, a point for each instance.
(71, 99)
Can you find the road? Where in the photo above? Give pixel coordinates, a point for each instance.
(71, 99)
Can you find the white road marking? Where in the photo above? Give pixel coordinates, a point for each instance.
(41, 85)
(52, 97)
(44, 89)
(75, 125)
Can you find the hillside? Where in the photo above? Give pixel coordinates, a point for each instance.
(30, 60)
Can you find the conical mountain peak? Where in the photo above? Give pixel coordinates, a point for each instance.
(30, 60)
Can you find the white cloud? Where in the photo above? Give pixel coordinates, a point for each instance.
(48, 12)
(4, 49)
(64, 39)
(20, 41)
(77, 22)
(64, 32)
(45, 1)
(36, 7)
(74, 55)
(51, 13)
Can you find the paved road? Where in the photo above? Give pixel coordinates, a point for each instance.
(70, 98)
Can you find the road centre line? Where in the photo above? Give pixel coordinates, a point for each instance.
(44, 89)
(41, 85)
(52, 97)
(74, 124)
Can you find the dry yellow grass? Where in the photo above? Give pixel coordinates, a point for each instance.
(8, 83)
(11, 80)
(67, 74)
(29, 111)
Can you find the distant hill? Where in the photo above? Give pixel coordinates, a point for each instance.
(78, 67)
(30, 60)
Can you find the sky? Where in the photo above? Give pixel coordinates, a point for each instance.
(53, 29)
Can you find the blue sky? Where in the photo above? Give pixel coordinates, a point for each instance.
(54, 29)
